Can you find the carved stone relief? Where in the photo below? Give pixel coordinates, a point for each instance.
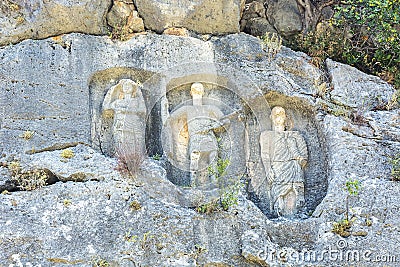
(192, 143)
(124, 103)
(206, 122)
(284, 156)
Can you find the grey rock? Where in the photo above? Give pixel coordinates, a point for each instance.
(56, 90)
(385, 124)
(285, 16)
(202, 16)
(123, 16)
(258, 27)
(39, 19)
(79, 168)
(254, 9)
(356, 89)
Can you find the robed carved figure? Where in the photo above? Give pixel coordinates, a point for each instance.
(284, 156)
(125, 101)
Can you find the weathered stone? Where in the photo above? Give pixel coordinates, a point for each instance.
(356, 89)
(191, 142)
(258, 27)
(177, 32)
(202, 16)
(57, 90)
(124, 15)
(125, 106)
(385, 124)
(39, 19)
(79, 168)
(252, 10)
(284, 156)
(285, 16)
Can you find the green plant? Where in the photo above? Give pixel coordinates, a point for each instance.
(342, 227)
(271, 43)
(219, 170)
(198, 250)
(67, 154)
(362, 33)
(229, 196)
(353, 188)
(395, 167)
(146, 241)
(156, 156)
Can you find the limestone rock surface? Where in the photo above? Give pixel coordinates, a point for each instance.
(55, 88)
(356, 89)
(38, 19)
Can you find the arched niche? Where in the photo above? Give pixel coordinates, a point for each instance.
(223, 96)
(302, 118)
(100, 84)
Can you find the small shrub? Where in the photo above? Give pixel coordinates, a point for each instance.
(100, 263)
(156, 156)
(27, 135)
(129, 160)
(353, 187)
(361, 33)
(67, 202)
(342, 228)
(229, 197)
(271, 44)
(134, 205)
(395, 170)
(209, 207)
(67, 154)
(27, 180)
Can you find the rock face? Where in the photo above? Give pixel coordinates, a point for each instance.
(124, 15)
(202, 16)
(282, 16)
(365, 92)
(285, 16)
(39, 19)
(56, 88)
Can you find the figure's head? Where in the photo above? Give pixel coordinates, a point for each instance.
(278, 117)
(128, 86)
(197, 90)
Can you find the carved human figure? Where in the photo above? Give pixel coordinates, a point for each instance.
(284, 156)
(193, 136)
(125, 99)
